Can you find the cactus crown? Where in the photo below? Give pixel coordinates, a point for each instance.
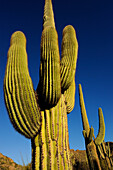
(48, 18)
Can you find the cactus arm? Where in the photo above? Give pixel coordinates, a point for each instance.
(68, 57)
(104, 148)
(22, 105)
(100, 150)
(84, 134)
(85, 122)
(9, 91)
(70, 97)
(91, 134)
(109, 153)
(101, 134)
(49, 88)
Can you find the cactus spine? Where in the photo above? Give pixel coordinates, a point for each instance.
(41, 115)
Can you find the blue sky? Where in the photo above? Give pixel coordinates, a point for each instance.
(93, 22)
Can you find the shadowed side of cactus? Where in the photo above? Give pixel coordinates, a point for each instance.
(70, 97)
(19, 94)
(104, 153)
(88, 133)
(68, 57)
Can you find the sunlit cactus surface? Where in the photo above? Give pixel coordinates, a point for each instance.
(41, 115)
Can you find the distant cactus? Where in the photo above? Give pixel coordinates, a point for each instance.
(41, 115)
(89, 134)
(96, 149)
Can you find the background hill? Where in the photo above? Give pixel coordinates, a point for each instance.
(78, 158)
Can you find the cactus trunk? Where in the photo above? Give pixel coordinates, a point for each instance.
(92, 156)
(50, 148)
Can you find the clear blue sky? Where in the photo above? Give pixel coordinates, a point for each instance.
(93, 22)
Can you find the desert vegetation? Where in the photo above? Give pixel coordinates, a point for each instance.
(41, 115)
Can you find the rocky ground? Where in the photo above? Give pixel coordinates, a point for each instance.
(78, 158)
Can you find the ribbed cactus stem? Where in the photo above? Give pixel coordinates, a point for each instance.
(36, 152)
(19, 94)
(85, 122)
(88, 135)
(101, 134)
(91, 134)
(49, 88)
(92, 156)
(70, 96)
(68, 57)
(50, 148)
(100, 151)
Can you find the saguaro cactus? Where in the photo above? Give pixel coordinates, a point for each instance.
(88, 134)
(41, 115)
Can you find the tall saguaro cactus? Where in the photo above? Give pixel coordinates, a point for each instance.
(41, 115)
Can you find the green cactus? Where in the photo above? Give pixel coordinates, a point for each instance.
(104, 152)
(41, 115)
(70, 97)
(19, 94)
(68, 57)
(89, 134)
(101, 134)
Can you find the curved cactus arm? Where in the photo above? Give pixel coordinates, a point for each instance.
(68, 57)
(100, 151)
(104, 148)
(19, 94)
(85, 122)
(101, 134)
(91, 134)
(109, 152)
(70, 97)
(84, 134)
